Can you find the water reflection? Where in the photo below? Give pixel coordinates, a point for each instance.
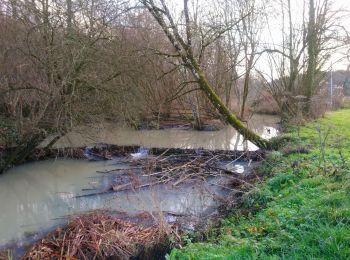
(35, 196)
(226, 138)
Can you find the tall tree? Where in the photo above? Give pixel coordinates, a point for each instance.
(312, 53)
(311, 32)
(185, 51)
(51, 71)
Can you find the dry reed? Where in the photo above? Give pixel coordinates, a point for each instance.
(99, 235)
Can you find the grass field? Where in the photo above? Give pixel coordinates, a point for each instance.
(303, 205)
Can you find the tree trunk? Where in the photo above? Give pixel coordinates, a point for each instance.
(223, 110)
(21, 152)
(311, 68)
(185, 51)
(69, 16)
(246, 85)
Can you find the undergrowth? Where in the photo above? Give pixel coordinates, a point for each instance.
(303, 206)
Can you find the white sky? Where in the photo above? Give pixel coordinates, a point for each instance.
(344, 5)
(337, 60)
(276, 24)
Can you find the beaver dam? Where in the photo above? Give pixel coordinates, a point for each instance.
(123, 201)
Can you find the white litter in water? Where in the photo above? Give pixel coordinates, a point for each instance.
(142, 152)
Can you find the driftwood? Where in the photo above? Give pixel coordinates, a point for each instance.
(174, 169)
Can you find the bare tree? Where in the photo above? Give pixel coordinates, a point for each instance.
(50, 69)
(185, 51)
(310, 35)
(249, 35)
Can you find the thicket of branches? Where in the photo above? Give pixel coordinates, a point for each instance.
(65, 63)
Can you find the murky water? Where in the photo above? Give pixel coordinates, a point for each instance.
(225, 139)
(34, 197)
(38, 196)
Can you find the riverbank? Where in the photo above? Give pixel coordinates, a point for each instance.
(301, 210)
(296, 206)
(184, 186)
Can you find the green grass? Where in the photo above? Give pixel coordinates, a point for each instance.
(304, 210)
(346, 102)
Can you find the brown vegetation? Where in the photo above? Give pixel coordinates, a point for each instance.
(99, 235)
(64, 64)
(68, 63)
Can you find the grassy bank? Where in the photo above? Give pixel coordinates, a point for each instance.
(302, 208)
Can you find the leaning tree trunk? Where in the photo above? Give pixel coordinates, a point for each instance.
(224, 111)
(185, 52)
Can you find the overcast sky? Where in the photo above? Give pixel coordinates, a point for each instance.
(344, 5)
(272, 31)
(337, 60)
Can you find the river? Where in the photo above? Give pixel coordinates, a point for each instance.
(36, 197)
(225, 139)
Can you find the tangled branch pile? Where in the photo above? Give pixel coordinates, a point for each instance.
(6, 255)
(99, 235)
(177, 168)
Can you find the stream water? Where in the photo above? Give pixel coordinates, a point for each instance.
(224, 139)
(36, 197)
